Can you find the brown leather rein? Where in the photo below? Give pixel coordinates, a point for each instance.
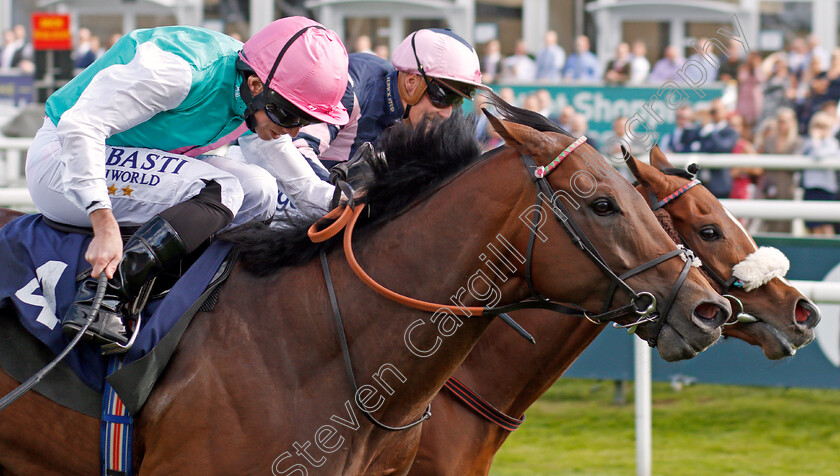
(347, 218)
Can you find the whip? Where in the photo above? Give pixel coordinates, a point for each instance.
(94, 310)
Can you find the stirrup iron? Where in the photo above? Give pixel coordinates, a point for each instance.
(136, 313)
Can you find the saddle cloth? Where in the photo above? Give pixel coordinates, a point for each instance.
(40, 266)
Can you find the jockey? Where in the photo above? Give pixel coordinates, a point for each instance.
(433, 71)
(121, 146)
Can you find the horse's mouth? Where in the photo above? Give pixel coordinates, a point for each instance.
(775, 344)
(673, 346)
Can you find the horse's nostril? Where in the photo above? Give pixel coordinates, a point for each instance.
(706, 311)
(802, 314)
(806, 314)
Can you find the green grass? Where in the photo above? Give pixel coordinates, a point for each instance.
(702, 430)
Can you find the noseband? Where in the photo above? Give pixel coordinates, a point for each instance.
(642, 304)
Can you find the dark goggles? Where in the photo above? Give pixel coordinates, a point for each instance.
(284, 114)
(442, 95)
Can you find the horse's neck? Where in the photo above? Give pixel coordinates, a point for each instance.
(511, 373)
(429, 253)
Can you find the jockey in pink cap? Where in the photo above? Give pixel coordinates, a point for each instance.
(439, 69)
(124, 144)
(431, 73)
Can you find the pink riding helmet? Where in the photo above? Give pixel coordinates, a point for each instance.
(443, 55)
(312, 73)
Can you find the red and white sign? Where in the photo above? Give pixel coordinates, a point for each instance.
(51, 31)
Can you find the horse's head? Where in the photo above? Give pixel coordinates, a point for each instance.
(622, 251)
(783, 319)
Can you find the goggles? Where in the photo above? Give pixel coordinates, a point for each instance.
(284, 114)
(442, 95)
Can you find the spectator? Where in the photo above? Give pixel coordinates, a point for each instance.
(779, 88)
(639, 65)
(519, 67)
(832, 74)
(714, 136)
(531, 103)
(580, 127)
(676, 140)
(815, 50)
(582, 65)
(12, 53)
(491, 62)
(744, 179)
(113, 39)
(820, 184)
(811, 93)
(382, 51)
(666, 68)
(620, 137)
(765, 134)
(778, 135)
(481, 123)
(618, 69)
(94, 51)
(730, 62)
(234, 34)
(507, 95)
(546, 104)
(798, 57)
(750, 90)
(485, 134)
(550, 59)
(782, 138)
(566, 116)
(363, 45)
(80, 53)
(27, 51)
(710, 68)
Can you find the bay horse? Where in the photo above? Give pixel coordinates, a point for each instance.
(258, 384)
(511, 374)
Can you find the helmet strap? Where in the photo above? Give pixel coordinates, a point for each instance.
(254, 103)
(414, 97)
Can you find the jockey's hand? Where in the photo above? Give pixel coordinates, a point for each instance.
(106, 248)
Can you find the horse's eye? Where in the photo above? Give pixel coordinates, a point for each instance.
(603, 207)
(710, 233)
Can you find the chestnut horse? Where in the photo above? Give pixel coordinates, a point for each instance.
(512, 374)
(258, 384)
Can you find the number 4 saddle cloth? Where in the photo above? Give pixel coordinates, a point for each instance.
(38, 278)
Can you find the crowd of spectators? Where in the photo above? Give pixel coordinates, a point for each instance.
(783, 103)
(16, 53)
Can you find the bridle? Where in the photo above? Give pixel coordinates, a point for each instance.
(643, 304)
(724, 285)
(645, 311)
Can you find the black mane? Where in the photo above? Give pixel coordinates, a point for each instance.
(525, 117)
(419, 158)
(678, 172)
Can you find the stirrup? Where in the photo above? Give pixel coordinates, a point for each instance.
(136, 313)
(117, 348)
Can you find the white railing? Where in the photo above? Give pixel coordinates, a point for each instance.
(764, 161)
(12, 154)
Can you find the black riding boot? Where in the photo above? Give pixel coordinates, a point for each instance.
(155, 245)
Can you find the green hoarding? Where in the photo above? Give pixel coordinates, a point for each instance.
(653, 106)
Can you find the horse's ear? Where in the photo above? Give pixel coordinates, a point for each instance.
(521, 137)
(644, 173)
(658, 159)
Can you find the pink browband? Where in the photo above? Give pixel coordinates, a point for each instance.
(542, 171)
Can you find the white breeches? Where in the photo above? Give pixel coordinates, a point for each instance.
(143, 182)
